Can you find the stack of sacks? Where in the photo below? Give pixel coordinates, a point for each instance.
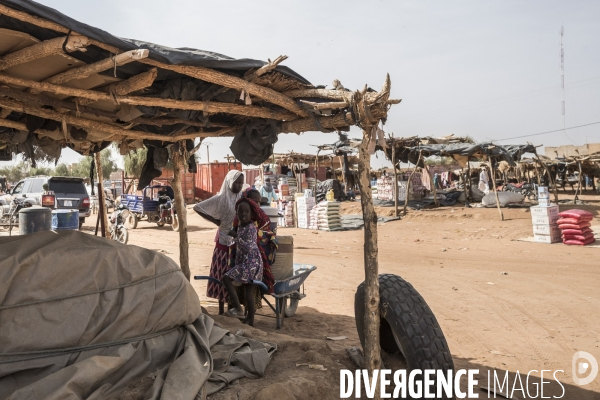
(328, 217)
(575, 227)
(313, 218)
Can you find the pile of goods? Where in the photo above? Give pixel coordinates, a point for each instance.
(543, 217)
(288, 215)
(305, 204)
(328, 216)
(575, 227)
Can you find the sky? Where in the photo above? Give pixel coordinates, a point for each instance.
(490, 70)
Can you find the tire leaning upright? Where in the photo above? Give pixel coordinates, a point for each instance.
(408, 326)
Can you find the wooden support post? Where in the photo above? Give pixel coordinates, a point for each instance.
(493, 173)
(178, 165)
(537, 172)
(396, 179)
(44, 49)
(262, 174)
(435, 199)
(468, 181)
(372, 346)
(579, 184)
(550, 180)
(410, 181)
(102, 210)
(333, 175)
(343, 171)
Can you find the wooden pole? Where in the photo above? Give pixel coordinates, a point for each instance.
(410, 181)
(552, 181)
(435, 199)
(178, 164)
(102, 210)
(468, 181)
(495, 189)
(262, 174)
(396, 179)
(372, 322)
(579, 183)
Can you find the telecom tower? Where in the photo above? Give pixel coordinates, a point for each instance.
(562, 76)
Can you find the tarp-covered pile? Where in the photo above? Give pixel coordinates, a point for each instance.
(85, 317)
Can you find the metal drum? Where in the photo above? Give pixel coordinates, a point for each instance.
(65, 220)
(34, 219)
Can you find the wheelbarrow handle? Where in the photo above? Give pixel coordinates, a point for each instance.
(208, 278)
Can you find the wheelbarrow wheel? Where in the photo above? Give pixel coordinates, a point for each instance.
(131, 220)
(292, 306)
(408, 329)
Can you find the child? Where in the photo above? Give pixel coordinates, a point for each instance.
(248, 262)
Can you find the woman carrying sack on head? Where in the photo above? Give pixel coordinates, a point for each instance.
(220, 210)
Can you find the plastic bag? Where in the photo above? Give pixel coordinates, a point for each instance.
(579, 242)
(580, 215)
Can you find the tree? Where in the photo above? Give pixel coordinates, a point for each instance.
(61, 170)
(82, 168)
(134, 161)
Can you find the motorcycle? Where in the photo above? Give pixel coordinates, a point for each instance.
(118, 231)
(528, 190)
(166, 213)
(11, 218)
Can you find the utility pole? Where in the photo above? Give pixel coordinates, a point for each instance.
(562, 76)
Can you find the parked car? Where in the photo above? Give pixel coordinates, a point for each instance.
(70, 194)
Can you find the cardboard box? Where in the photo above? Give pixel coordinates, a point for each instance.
(543, 192)
(283, 267)
(547, 220)
(544, 202)
(547, 238)
(551, 230)
(540, 211)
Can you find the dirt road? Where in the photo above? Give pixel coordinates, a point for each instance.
(502, 304)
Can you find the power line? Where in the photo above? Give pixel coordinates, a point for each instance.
(543, 133)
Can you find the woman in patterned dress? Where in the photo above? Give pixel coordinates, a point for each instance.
(220, 210)
(248, 265)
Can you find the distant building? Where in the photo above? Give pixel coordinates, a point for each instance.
(571, 151)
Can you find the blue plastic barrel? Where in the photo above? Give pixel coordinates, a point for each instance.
(65, 220)
(34, 219)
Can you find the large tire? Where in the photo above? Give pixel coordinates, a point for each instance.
(121, 235)
(131, 220)
(408, 328)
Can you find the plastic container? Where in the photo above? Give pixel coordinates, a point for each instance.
(65, 220)
(34, 219)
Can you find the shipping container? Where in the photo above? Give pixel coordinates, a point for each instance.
(210, 177)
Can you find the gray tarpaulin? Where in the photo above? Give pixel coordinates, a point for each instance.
(85, 317)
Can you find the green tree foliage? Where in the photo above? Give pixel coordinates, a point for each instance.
(82, 168)
(134, 161)
(61, 170)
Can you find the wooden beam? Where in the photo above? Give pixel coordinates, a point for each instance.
(100, 66)
(325, 106)
(103, 211)
(133, 84)
(87, 124)
(173, 121)
(44, 49)
(22, 127)
(210, 107)
(372, 346)
(178, 164)
(233, 82)
(493, 173)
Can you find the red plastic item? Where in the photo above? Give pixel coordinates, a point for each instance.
(583, 231)
(581, 225)
(579, 242)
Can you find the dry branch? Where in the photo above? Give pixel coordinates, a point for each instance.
(133, 84)
(87, 124)
(90, 69)
(43, 49)
(233, 82)
(210, 107)
(22, 127)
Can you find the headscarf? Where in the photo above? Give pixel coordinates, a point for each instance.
(222, 206)
(262, 220)
(268, 187)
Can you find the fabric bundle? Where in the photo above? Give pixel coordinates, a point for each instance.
(575, 227)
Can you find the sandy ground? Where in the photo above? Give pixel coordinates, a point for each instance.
(502, 304)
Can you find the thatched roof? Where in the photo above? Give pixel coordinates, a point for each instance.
(67, 84)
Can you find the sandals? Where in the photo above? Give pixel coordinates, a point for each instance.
(233, 313)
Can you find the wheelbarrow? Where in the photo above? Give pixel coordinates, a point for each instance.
(284, 290)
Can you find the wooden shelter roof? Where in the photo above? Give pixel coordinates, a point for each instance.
(66, 84)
